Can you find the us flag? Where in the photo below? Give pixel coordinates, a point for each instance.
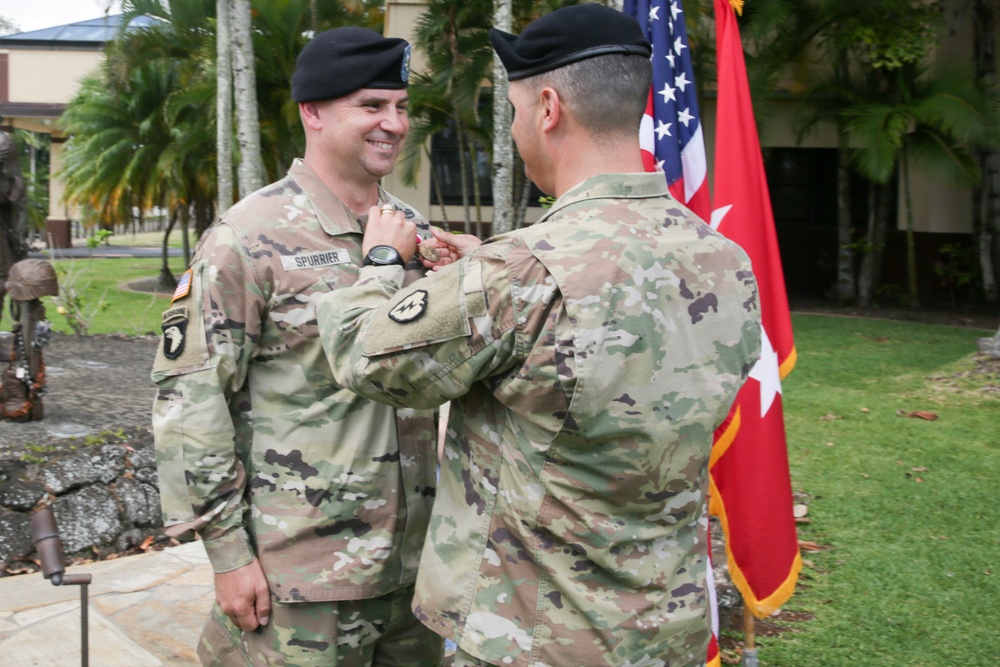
(671, 137)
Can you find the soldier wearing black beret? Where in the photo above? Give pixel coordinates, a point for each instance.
(566, 36)
(311, 501)
(588, 359)
(340, 61)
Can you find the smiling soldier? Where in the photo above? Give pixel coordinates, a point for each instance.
(312, 501)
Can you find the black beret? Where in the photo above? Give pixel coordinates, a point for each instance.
(339, 61)
(566, 36)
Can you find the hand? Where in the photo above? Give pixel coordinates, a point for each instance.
(244, 596)
(390, 228)
(451, 247)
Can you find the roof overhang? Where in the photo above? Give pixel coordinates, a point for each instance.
(31, 110)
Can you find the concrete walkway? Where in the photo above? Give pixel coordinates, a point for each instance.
(144, 611)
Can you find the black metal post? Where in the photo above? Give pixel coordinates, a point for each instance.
(43, 525)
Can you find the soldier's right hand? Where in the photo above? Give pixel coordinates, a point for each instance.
(244, 596)
(450, 247)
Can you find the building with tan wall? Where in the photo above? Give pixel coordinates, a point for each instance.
(40, 72)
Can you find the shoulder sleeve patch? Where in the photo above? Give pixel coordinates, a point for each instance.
(183, 346)
(183, 286)
(434, 310)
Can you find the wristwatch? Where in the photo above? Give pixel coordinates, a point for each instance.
(383, 255)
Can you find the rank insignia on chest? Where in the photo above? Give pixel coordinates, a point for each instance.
(174, 329)
(183, 286)
(410, 308)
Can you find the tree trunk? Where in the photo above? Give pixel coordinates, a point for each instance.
(911, 245)
(845, 253)
(185, 225)
(987, 210)
(166, 280)
(524, 193)
(477, 199)
(986, 224)
(224, 105)
(871, 262)
(503, 152)
(251, 169)
(463, 173)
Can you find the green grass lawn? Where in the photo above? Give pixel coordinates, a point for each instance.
(126, 312)
(908, 509)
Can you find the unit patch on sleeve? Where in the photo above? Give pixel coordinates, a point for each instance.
(315, 260)
(410, 308)
(174, 328)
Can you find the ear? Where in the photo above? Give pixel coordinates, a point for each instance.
(551, 108)
(309, 112)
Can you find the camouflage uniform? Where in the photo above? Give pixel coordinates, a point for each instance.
(260, 452)
(589, 359)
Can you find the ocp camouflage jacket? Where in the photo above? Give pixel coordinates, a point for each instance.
(260, 451)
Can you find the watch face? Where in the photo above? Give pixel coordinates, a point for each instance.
(384, 255)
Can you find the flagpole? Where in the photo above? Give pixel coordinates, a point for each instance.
(749, 640)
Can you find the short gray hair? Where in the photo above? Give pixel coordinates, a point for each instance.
(607, 94)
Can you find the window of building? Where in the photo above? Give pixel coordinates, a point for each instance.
(803, 186)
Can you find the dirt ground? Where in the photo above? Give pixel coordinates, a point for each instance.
(96, 383)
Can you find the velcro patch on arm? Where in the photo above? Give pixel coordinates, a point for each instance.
(434, 310)
(183, 286)
(182, 341)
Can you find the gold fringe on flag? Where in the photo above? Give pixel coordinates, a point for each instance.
(737, 5)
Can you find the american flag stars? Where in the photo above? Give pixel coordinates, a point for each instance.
(673, 136)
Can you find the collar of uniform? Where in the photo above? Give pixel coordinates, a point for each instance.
(333, 215)
(640, 185)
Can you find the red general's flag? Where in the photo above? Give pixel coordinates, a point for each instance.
(751, 490)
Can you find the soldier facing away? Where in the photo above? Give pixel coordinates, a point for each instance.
(588, 358)
(312, 501)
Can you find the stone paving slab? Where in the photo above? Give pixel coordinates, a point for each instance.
(144, 610)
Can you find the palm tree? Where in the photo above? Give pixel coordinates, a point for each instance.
(37, 177)
(934, 122)
(453, 35)
(986, 216)
(281, 29)
(117, 136)
(186, 38)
